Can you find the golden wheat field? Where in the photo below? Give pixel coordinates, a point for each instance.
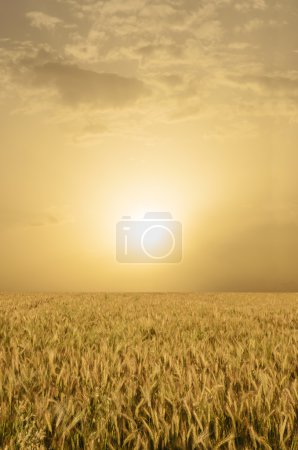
(149, 371)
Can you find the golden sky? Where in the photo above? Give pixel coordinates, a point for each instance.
(111, 108)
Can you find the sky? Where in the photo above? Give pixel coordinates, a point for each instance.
(114, 108)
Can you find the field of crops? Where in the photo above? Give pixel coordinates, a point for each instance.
(149, 371)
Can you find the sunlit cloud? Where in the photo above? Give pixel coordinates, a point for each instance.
(41, 20)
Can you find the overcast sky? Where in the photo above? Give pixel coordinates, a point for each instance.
(112, 108)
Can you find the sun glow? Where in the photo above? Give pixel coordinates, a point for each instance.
(103, 210)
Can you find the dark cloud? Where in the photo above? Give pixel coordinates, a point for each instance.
(79, 86)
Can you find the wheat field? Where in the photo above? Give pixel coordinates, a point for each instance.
(149, 371)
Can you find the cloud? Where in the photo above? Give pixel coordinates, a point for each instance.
(250, 5)
(251, 25)
(78, 86)
(125, 58)
(278, 83)
(257, 24)
(240, 46)
(11, 218)
(41, 20)
(259, 4)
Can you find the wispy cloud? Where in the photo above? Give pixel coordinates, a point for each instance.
(41, 20)
(259, 23)
(20, 218)
(248, 5)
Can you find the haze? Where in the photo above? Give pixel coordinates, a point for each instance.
(112, 108)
